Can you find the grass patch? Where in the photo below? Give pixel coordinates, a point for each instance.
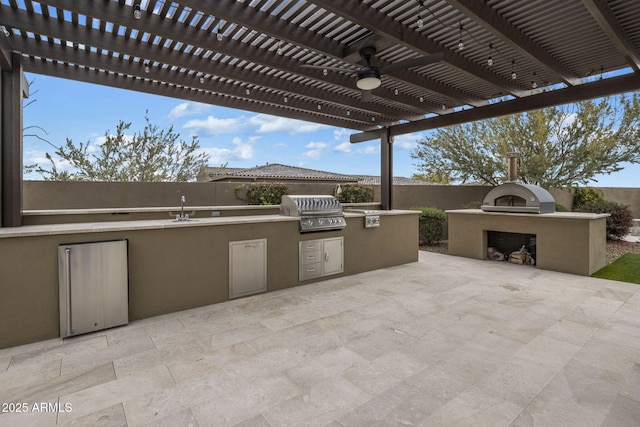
(624, 269)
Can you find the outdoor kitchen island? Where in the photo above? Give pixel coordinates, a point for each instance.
(177, 265)
(568, 242)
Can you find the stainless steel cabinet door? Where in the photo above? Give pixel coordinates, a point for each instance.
(94, 291)
(333, 256)
(320, 258)
(247, 267)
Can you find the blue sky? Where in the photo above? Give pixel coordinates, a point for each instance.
(83, 112)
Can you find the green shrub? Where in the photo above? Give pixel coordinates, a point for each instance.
(262, 193)
(355, 193)
(561, 208)
(619, 223)
(431, 225)
(586, 195)
(476, 204)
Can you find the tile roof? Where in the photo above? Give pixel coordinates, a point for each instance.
(397, 180)
(286, 172)
(276, 171)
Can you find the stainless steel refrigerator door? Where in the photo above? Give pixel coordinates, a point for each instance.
(247, 267)
(94, 290)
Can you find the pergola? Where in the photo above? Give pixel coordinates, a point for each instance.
(433, 63)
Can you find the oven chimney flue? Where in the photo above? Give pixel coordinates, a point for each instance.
(512, 165)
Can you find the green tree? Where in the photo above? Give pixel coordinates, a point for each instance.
(151, 155)
(559, 146)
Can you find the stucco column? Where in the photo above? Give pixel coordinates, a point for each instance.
(386, 170)
(12, 89)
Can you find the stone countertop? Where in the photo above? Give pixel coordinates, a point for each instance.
(144, 210)
(102, 227)
(556, 215)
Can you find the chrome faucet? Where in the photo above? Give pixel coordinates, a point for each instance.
(182, 216)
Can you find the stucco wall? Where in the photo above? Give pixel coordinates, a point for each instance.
(45, 195)
(181, 267)
(572, 243)
(78, 195)
(39, 195)
(623, 195)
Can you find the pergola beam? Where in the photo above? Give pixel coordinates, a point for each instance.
(379, 23)
(180, 92)
(5, 54)
(601, 12)
(11, 93)
(191, 35)
(596, 89)
(268, 24)
(488, 19)
(180, 78)
(156, 53)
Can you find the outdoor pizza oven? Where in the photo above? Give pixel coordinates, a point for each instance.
(514, 196)
(316, 213)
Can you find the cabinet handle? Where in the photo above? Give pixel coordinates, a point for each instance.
(310, 270)
(67, 256)
(250, 246)
(311, 257)
(326, 256)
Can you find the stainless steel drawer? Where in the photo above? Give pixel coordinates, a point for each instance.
(309, 271)
(310, 245)
(311, 257)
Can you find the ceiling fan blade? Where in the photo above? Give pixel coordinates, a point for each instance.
(320, 67)
(414, 62)
(365, 95)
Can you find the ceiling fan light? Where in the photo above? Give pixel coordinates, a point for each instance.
(137, 13)
(368, 79)
(369, 83)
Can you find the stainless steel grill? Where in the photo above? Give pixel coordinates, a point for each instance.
(317, 213)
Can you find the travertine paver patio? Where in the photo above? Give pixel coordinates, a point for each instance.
(444, 341)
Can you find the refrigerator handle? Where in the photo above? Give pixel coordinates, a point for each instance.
(67, 259)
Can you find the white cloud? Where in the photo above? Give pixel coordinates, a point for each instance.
(345, 147)
(317, 145)
(315, 150)
(35, 156)
(267, 124)
(187, 109)
(243, 150)
(218, 156)
(407, 142)
(342, 134)
(214, 126)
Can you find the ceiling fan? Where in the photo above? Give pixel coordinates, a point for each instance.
(369, 76)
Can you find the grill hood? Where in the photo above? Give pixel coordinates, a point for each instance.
(310, 205)
(316, 213)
